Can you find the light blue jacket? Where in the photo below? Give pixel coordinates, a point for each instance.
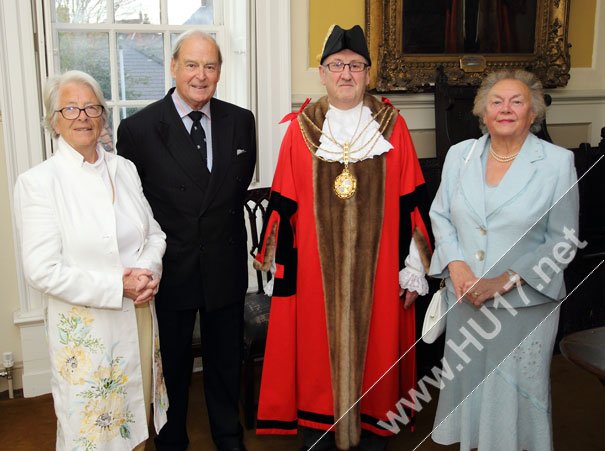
(524, 231)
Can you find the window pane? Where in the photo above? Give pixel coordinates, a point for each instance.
(81, 11)
(137, 11)
(106, 137)
(190, 12)
(125, 112)
(88, 52)
(140, 66)
(175, 36)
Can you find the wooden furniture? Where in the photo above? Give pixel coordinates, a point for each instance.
(587, 350)
(585, 307)
(590, 166)
(454, 120)
(256, 307)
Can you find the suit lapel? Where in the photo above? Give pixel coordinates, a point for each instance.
(223, 130)
(518, 175)
(177, 141)
(471, 178)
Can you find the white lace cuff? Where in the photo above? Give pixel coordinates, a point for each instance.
(269, 285)
(412, 281)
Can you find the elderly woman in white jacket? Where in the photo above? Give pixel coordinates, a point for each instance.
(90, 243)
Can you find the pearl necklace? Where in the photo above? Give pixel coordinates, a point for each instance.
(500, 158)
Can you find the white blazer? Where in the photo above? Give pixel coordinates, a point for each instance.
(524, 228)
(67, 227)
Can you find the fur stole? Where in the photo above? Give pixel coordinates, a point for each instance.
(348, 238)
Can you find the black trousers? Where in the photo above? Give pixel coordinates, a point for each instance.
(222, 335)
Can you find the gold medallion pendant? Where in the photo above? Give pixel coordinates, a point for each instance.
(345, 184)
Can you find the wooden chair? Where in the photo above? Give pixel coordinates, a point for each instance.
(454, 120)
(585, 308)
(256, 307)
(591, 171)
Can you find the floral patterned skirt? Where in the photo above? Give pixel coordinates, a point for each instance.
(96, 379)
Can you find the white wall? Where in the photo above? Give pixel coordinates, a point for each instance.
(22, 149)
(9, 293)
(578, 110)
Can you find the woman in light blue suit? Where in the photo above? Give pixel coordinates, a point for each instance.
(505, 220)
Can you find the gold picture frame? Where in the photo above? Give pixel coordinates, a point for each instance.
(393, 70)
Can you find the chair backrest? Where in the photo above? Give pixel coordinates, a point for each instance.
(590, 167)
(585, 279)
(255, 208)
(454, 121)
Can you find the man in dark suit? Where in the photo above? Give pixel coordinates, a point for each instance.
(195, 173)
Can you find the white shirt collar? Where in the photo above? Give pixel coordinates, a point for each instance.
(183, 107)
(355, 126)
(67, 151)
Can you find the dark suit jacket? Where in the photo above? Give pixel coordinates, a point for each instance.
(206, 258)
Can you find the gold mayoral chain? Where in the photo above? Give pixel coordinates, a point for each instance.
(345, 183)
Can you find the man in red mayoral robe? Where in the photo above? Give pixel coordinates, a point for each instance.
(349, 246)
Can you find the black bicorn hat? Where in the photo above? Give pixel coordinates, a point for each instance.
(339, 39)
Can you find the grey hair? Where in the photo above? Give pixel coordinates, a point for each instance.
(51, 96)
(528, 79)
(190, 33)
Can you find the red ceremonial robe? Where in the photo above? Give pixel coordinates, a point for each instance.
(337, 326)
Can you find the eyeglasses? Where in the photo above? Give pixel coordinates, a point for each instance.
(73, 112)
(339, 66)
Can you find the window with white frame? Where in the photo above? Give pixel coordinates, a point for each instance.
(126, 45)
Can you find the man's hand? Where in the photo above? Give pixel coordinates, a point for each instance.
(409, 297)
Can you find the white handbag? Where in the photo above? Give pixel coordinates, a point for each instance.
(434, 319)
